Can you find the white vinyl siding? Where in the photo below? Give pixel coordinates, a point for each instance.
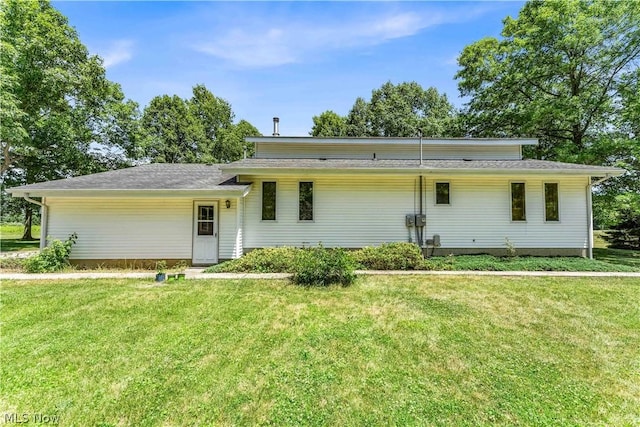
(482, 215)
(387, 151)
(366, 210)
(132, 228)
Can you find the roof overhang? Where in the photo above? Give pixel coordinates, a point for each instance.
(420, 171)
(394, 141)
(237, 191)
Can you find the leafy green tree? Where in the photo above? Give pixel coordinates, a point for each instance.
(403, 110)
(175, 135)
(358, 119)
(557, 73)
(57, 105)
(197, 130)
(329, 124)
(407, 109)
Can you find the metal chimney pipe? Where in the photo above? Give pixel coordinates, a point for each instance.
(276, 122)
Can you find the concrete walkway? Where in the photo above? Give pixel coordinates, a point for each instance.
(195, 273)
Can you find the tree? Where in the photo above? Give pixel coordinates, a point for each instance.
(557, 73)
(403, 110)
(329, 124)
(567, 73)
(174, 133)
(57, 105)
(408, 110)
(197, 130)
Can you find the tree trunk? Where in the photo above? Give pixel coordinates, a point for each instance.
(28, 219)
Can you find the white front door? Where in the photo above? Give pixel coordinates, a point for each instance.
(205, 233)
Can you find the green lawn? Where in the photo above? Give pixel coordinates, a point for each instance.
(10, 235)
(388, 350)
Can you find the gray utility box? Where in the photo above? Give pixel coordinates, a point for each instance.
(410, 220)
(421, 220)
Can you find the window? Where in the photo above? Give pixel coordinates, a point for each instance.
(551, 210)
(442, 193)
(268, 201)
(205, 220)
(305, 201)
(518, 202)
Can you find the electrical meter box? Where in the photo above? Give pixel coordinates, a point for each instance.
(421, 220)
(410, 220)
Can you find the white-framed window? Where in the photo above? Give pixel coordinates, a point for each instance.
(518, 201)
(551, 202)
(442, 193)
(269, 197)
(305, 201)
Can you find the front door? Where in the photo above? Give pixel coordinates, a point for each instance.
(205, 233)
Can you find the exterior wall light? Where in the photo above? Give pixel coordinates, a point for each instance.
(227, 203)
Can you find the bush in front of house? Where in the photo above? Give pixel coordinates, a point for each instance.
(54, 257)
(320, 266)
(266, 260)
(390, 256)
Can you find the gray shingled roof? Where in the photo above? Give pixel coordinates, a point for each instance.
(427, 165)
(157, 176)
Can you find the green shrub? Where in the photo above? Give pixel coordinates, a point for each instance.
(266, 260)
(320, 266)
(390, 256)
(52, 258)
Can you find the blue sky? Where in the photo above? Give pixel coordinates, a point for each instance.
(293, 60)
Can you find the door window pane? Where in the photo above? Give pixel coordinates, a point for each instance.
(518, 202)
(205, 220)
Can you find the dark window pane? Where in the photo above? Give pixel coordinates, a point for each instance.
(205, 228)
(551, 210)
(205, 213)
(269, 201)
(518, 203)
(442, 193)
(306, 201)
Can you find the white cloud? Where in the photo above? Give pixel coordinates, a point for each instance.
(267, 46)
(118, 52)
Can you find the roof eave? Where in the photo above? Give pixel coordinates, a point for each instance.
(392, 141)
(137, 193)
(422, 170)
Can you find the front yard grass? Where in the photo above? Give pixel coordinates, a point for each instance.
(10, 238)
(387, 350)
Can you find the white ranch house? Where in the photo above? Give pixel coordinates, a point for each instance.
(463, 195)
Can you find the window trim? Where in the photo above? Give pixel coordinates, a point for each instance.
(511, 201)
(544, 201)
(313, 201)
(435, 193)
(275, 181)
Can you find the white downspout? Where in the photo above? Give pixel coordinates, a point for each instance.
(43, 218)
(590, 214)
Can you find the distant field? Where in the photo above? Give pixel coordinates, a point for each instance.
(10, 235)
(469, 351)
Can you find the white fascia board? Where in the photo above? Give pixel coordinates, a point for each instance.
(392, 141)
(424, 171)
(213, 193)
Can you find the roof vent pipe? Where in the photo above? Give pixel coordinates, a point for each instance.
(276, 122)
